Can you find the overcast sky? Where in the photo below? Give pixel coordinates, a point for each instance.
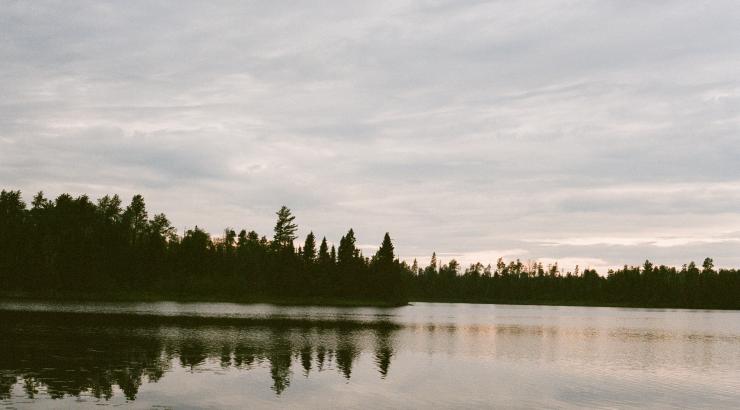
(594, 132)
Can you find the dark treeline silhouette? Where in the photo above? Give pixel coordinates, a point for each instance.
(648, 286)
(72, 244)
(46, 355)
(76, 245)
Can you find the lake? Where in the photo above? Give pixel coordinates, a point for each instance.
(427, 355)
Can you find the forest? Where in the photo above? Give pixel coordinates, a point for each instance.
(72, 246)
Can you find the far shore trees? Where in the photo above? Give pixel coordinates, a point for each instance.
(76, 246)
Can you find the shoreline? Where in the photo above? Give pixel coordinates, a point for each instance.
(151, 297)
(556, 303)
(319, 301)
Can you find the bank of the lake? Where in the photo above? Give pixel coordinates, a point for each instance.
(176, 297)
(583, 303)
(325, 301)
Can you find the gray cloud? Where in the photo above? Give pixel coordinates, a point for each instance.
(572, 131)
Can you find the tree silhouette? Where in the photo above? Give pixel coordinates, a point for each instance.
(72, 246)
(285, 229)
(309, 248)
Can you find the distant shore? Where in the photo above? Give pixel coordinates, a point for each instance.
(75, 249)
(157, 319)
(312, 301)
(155, 297)
(556, 303)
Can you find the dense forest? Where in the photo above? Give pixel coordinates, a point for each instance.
(72, 245)
(76, 245)
(638, 286)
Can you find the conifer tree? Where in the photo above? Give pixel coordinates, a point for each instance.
(285, 228)
(432, 268)
(323, 252)
(385, 252)
(309, 248)
(347, 251)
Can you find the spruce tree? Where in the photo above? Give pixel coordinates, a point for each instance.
(309, 248)
(324, 252)
(385, 252)
(347, 251)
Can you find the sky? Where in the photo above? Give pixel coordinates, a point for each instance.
(597, 133)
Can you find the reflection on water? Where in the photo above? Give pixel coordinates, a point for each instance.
(71, 360)
(428, 355)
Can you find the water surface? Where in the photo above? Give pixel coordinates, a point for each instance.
(419, 356)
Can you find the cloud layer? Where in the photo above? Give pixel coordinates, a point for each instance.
(599, 132)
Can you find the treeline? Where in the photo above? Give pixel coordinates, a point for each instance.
(72, 244)
(645, 286)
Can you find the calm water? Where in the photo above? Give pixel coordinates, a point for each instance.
(420, 356)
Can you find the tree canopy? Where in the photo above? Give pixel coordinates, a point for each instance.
(285, 228)
(72, 244)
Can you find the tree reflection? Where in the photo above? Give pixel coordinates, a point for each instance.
(306, 359)
(50, 359)
(383, 351)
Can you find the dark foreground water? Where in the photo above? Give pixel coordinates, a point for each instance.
(420, 356)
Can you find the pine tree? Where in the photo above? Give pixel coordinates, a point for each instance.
(285, 229)
(347, 251)
(324, 252)
(309, 248)
(385, 255)
(386, 280)
(432, 268)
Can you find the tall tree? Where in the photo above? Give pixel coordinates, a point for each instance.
(12, 233)
(324, 252)
(432, 268)
(386, 271)
(309, 248)
(347, 251)
(110, 208)
(135, 218)
(385, 254)
(285, 228)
